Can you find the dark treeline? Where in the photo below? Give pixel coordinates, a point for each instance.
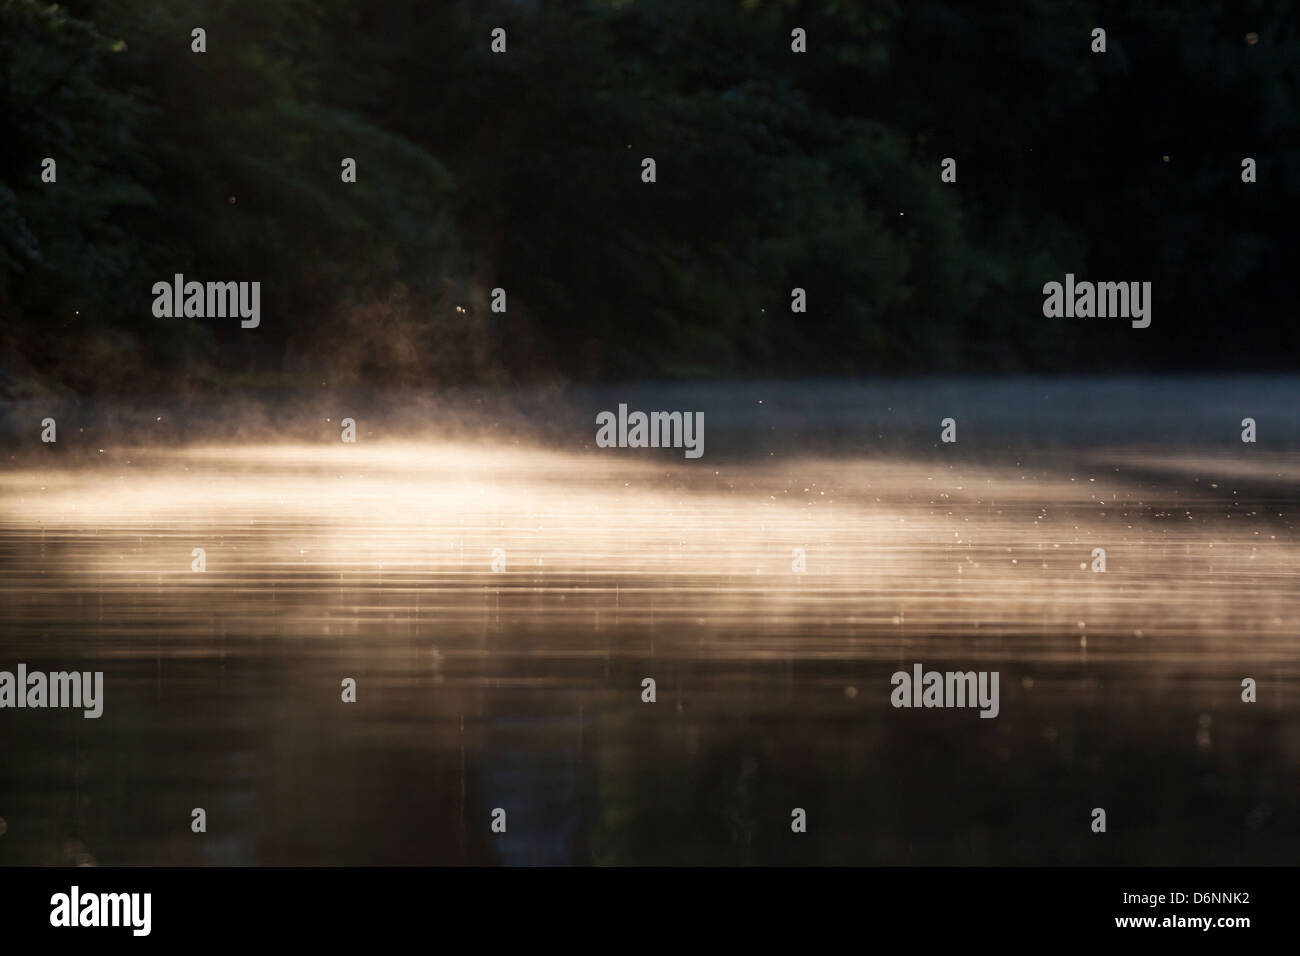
(522, 171)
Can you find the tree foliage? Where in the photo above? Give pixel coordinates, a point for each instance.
(522, 171)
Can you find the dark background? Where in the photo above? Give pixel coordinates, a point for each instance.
(522, 170)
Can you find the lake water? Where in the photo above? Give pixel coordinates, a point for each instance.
(521, 689)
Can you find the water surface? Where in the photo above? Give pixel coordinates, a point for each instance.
(521, 689)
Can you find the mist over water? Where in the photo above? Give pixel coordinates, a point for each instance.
(521, 689)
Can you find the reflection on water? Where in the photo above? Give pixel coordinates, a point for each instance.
(522, 689)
